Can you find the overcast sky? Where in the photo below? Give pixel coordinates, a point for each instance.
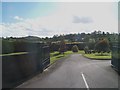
(47, 19)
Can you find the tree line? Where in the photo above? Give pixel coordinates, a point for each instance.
(96, 39)
(76, 37)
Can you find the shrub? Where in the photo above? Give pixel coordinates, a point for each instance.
(75, 48)
(102, 46)
(54, 47)
(62, 48)
(86, 49)
(93, 51)
(7, 47)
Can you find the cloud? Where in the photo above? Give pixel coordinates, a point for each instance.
(26, 27)
(91, 16)
(18, 18)
(77, 19)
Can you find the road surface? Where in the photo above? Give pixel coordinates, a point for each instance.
(75, 71)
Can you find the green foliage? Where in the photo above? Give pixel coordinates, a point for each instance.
(79, 39)
(81, 52)
(62, 48)
(102, 46)
(86, 49)
(7, 47)
(19, 46)
(75, 48)
(54, 56)
(98, 56)
(91, 43)
(54, 46)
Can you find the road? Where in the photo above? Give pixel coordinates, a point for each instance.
(75, 71)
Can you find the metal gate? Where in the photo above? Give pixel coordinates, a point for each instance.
(18, 68)
(116, 56)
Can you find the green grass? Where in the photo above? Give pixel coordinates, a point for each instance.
(98, 56)
(81, 52)
(56, 56)
(18, 53)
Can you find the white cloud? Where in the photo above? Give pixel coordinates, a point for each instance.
(85, 20)
(90, 17)
(18, 18)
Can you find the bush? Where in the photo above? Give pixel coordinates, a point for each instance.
(80, 45)
(7, 47)
(62, 48)
(19, 46)
(86, 49)
(75, 48)
(54, 47)
(102, 46)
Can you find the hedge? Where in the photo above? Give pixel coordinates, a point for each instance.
(19, 46)
(56, 46)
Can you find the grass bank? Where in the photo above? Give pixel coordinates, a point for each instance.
(105, 56)
(11, 54)
(56, 56)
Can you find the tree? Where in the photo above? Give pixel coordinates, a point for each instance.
(103, 33)
(62, 48)
(102, 46)
(75, 48)
(91, 43)
(86, 49)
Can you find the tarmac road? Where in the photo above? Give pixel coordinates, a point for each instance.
(76, 71)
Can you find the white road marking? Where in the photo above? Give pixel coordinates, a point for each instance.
(85, 81)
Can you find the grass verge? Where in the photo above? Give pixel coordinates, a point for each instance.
(98, 56)
(81, 52)
(56, 56)
(11, 54)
